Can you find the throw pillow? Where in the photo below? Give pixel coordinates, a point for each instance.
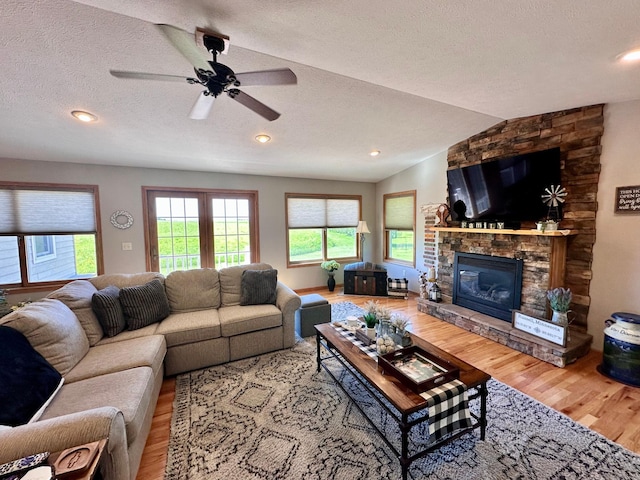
(28, 381)
(106, 305)
(53, 330)
(258, 287)
(144, 304)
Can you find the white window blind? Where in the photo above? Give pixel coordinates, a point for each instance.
(33, 212)
(399, 212)
(322, 212)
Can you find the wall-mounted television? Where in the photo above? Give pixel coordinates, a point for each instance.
(507, 189)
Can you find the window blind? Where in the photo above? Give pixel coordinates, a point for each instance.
(41, 212)
(399, 212)
(322, 212)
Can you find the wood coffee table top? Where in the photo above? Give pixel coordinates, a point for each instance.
(402, 397)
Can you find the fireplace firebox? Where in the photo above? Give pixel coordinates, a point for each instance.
(487, 284)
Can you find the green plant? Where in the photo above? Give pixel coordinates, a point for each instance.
(330, 265)
(370, 319)
(559, 299)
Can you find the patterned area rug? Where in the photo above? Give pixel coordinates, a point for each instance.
(275, 417)
(341, 310)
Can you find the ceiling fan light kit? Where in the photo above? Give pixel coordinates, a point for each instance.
(217, 78)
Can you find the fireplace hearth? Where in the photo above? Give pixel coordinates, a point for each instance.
(487, 284)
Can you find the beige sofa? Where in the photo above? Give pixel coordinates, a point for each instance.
(111, 384)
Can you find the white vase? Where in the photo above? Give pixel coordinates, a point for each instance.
(371, 333)
(560, 318)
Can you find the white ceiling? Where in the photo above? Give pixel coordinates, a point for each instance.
(408, 78)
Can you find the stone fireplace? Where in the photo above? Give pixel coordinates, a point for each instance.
(548, 260)
(487, 284)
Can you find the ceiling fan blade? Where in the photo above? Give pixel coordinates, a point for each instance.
(147, 76)
(282, 76)
(253, 104)
(185, 43)
(202, 107)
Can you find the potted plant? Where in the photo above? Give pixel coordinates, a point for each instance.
(401, 336)
(330, 266)
(370, 317)
(559, 300)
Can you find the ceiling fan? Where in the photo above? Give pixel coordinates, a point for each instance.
(214, 76)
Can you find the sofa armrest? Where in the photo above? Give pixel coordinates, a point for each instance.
(66, 431)
(288, 302)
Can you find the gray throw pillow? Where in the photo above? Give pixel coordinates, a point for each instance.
(106, 305)
(258, 287)
(144, 304)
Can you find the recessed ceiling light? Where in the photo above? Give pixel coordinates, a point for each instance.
(84, 116)
(632, 56)
(262, 138)
(374, 153)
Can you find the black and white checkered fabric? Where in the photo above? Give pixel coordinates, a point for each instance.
(448, 404)
(398, 283)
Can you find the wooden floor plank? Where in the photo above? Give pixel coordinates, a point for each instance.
(578, 390)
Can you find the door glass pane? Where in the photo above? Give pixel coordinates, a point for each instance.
(231, 239)
(305, 244)
(341, 242)
(60, 257)
(178, 229)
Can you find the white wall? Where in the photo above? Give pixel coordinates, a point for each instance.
(120, 189)
(429, 179)
(616, 254)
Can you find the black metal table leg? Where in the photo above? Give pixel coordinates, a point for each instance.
(318, 350)
(404, 449)
(484, 393)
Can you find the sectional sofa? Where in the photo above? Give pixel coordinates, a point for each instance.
(111, 383)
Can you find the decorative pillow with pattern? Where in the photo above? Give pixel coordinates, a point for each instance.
(258, 287)
(106, 306)
(144, 304)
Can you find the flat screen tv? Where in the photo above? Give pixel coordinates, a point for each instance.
(507, 189)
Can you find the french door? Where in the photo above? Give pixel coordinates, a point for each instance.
(189, 229)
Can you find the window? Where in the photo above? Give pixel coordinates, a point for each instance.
(399, 227)
(200, 228)
(322, 227)
(48, 234)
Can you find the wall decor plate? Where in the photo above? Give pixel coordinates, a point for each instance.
(121, 219)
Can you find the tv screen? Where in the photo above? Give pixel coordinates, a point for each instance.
(507, 189)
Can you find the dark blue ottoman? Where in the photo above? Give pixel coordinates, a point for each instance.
(313, 310)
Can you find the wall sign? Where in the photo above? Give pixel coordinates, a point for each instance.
(628, 200)
(540, 328)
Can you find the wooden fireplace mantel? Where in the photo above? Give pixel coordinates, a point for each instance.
(558, 253)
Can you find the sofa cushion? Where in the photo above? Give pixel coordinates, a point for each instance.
(130, 391)
(77, 296)
(103, 359)
(106, 305)
(53, 330)
(190, 290)
(130, 334)
(28, 381)
(122, 280)
(144, 304)
(230, 282)
(258, 287)
(237, 319)
(190, 327)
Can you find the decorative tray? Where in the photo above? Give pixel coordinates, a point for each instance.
(418, 369)
(76, 459)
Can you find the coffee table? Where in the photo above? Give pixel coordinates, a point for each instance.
(409, 409)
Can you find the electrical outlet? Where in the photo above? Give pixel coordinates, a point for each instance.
(127, 246)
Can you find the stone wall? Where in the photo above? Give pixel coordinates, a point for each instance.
(578, 133)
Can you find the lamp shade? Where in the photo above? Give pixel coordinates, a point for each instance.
(362, 227)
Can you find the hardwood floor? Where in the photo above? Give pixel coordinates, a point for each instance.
(579, 391)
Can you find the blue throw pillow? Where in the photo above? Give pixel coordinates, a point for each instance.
(27, 380)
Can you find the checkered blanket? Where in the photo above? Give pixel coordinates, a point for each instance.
(448, 403)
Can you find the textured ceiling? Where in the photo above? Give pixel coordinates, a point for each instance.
(408, 78)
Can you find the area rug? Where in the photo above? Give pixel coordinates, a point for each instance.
(341, 310)
(275, 417)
